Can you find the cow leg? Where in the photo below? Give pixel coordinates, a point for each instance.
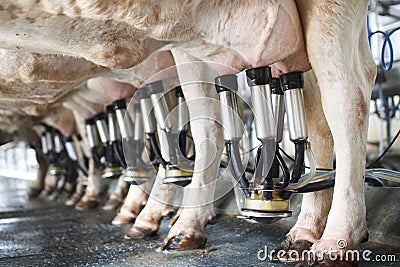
(50, 184)
(93, 190)
(133, 204)
(159, 205)
(95, 187)
(79, 191)
(315, 206)
(38, 184)
(116, 198)
(338, 50)
(188, 231)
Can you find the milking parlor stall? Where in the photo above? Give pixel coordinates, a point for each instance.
(200, 133)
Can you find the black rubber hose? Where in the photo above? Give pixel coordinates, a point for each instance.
(156, 149)
(82, 169)
(298, 162)
(268, 182)
(173, 146)
(118, 154)
(71, 175)
(152, 157)
(239, 176)
(51, 157)
(249, 168)
(297, 168)
(262, 163)
(182, 142)
(137, 149)
(108, 153)
(317, 186)
(285, 170)
(96, 159)
(374, 181)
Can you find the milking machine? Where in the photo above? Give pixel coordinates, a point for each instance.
(112, 144)
(73, 155)
(58, 168)
(136, 171)
(51, 147)
(94, 143)
(104, 126)
(267, 193)
(61, 165)
(179, 169)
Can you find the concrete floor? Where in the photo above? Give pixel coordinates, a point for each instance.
(43, 233)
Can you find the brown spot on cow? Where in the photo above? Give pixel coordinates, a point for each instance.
(77, 10)
(31, 20)
(14, 10)
(361, 106)
(157, 12)
(45, 15)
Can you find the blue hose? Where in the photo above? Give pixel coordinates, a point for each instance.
(388, 42)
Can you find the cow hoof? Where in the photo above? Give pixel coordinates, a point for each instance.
(86, 204)
(73, 199)
(113, 203)
(55, 195)
(123, 217)
(45, 193)
(139, 232)
(34, 192)
(184, 241)
(290, 251)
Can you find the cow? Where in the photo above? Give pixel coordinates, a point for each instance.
(335, 46)
(17, 127)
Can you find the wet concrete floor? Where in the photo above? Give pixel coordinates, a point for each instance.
(45, 233)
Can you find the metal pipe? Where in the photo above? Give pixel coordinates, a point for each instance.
(58, 143)
(113, 127)
(278, 104)
(70, 148)
(123, 118)
(49, 141)
(92, 134)
(138, 127)
(83, 146)
(161, 111)
(93, 140)
(44, 143)
(183, 112)
(149, 122)
(292, 85)
(226, 86)
(259, 80)
(146, 106)
(102, 128)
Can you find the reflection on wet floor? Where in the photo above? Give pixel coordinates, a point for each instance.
(44, 233)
